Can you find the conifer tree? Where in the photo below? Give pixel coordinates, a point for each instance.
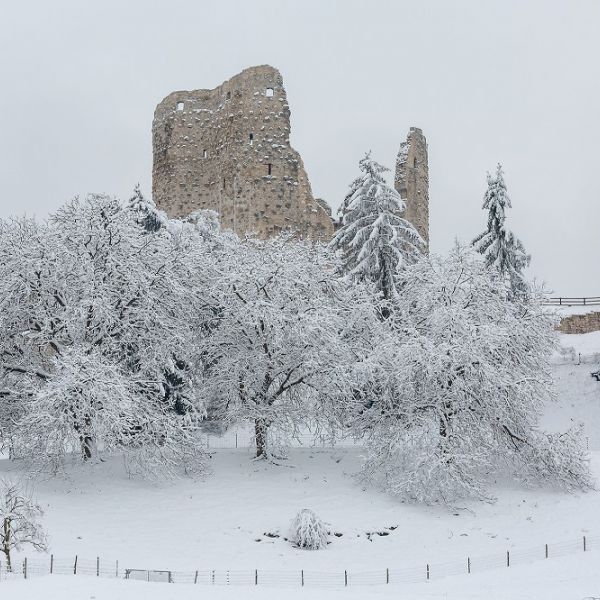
(374, 240)
(500, 247)
(147, 215)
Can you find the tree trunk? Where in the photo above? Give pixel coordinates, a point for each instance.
(260, 433)
(6, 545)
(86, 447)
(87, 441)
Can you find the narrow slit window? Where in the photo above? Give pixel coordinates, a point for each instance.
(180, 106)
(205, 154)
(228, 95)
(415, 162)
(251, 139)
(269, 92)
(270, 168)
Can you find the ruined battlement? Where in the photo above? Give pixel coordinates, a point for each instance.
(228, 149)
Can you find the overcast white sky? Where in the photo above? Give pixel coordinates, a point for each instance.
(514, 81)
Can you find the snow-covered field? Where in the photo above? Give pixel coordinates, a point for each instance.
(230, 518)
(571, 578)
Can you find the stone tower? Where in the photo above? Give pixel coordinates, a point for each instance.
(228, 150)
(412, 180)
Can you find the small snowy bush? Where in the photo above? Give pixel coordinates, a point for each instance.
(308, 531)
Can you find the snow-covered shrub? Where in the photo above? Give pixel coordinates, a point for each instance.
(308, 531)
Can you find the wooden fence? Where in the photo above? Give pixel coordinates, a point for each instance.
(564, 301)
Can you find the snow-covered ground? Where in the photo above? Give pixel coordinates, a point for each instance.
(571, 578)
(229, 520)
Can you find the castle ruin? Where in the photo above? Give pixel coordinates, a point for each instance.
(412, 180)
(228, 149)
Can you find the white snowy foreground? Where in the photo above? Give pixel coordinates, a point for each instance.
(231, 518)
(569, 578)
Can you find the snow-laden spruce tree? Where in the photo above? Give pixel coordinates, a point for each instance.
(500, 247)
(19, 521)
(145, 211)
(95, 313)
(285, 329)
(470, 375)
(374, 241)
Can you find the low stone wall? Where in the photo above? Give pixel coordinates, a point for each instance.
(580, 323)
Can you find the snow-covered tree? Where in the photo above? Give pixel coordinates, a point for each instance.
(308, 531)
(470, 375)
(19, 525)
(500, 247)
(285, 328)
(145, 211)
(94, 310)
(374, 241)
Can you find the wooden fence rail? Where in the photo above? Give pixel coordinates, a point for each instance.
(566, 301)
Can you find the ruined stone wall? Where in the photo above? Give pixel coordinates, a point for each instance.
(580, 323)
(228, 150)
(412, 180)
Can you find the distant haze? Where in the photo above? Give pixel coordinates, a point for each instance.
(514, 81)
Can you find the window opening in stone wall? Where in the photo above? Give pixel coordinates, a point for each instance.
(228, 95)
(205, 154)
(269, 92)
(180, 106)
(270, 167)
(251, 139)
(415, 162)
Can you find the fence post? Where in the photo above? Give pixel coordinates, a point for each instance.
(302, 577)
(170, 578)
(507, 558)
(345, 577)
(97, 566)
(212, 577)
(117, 569)
(387, 575)
(255, 576)
(584, 544)
(427, 571)
(75, 566)
(546, 550)
(51, 563)
(468, 564)
(236, 440)
(25, 568)
(196, 577)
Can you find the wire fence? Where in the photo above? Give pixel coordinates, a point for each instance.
(243, 439)
(253, 577)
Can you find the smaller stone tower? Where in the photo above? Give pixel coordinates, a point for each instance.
(412, 180)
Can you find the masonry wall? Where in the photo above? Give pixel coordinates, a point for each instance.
(228, 150)
(412, 180)
(580, 323)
